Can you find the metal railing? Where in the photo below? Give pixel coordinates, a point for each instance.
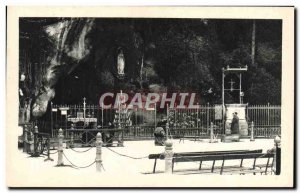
(266, 118)
(264, 115)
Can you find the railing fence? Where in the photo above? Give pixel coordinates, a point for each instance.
(141, 123)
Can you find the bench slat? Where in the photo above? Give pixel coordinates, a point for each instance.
(221, 157)
(162, 156)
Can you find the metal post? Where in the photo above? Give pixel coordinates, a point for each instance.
(167, 130)
(48, 149)
(119, 103)
(277, 156)
(211, 133)
(167, 111)
(51, 119)
(223, 99)
(240, 90)
(268, 114)
(207, 114)
(72, 140)
(25, 138)
(197, 118)
(35, 141)
(84, 108)
(102, 115)
(154, 115)
(175, 117)
(223, 86)
(31, 142)
(72, 136)
(168, 157)
(167, 124)
(120, 143)
(98, 152)
(60, 161)
(252, 131)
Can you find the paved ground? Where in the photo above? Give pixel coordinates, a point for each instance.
(113, 161)
(121, 166)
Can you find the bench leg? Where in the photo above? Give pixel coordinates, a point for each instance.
(241, 165)
(221, 172)
(213, 166)
(254, 166)
(267, 166)
(272, 165)
(154, 166)
(172, 166)
(254, 163)
(200, 165)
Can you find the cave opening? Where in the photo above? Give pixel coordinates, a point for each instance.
(82, 82)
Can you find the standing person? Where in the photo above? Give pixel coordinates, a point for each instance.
(160, 132)
(160, 136)
(162, 123)
(235, 124)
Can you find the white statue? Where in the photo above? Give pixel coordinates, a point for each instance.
(22, 77)
(121, 63)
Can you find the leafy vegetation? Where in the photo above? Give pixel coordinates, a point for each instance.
(184, 55)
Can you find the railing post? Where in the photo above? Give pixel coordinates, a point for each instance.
(60, 161)
(252, 131)
(277, 156)
(72, 140)
(72, 136)
(31, 142)
(48, 149)
(25, 139)
(207, 115)
(98, 152)
(167, 130)
(168, 157)
(35, 141)
(167, 124)
(211, 133)
(268, 114)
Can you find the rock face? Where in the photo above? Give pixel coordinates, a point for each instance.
(82, 58)
(69, 45)
(66, 59)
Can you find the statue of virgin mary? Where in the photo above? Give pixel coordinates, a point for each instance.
(121, 63)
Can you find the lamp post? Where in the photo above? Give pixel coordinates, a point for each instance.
(84, 108)
(102, 114)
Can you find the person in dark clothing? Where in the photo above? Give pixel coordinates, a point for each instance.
(235, 124)
(160, 136)
(162, 123)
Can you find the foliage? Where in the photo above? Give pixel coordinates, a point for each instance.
(185, 55)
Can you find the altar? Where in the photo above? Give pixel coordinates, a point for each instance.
(82, 119)
(80, 116)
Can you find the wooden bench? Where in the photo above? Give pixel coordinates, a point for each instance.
(226, 156)
(202, 153)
